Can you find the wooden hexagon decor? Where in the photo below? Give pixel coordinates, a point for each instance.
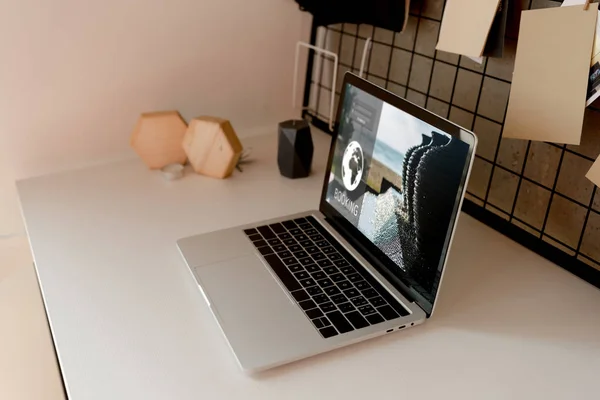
(212, 146)
(157, 138)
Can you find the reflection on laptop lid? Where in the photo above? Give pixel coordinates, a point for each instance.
(396, 178)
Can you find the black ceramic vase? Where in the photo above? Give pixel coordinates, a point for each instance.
(295, 149)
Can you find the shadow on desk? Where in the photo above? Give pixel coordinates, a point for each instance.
(496, 286)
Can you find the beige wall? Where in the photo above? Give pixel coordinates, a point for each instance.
(75, 74)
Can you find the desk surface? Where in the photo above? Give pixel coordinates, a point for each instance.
(129, 323)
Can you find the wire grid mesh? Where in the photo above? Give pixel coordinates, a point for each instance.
(533, 192)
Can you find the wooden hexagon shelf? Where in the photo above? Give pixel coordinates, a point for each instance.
(157, 138)
(212, 146)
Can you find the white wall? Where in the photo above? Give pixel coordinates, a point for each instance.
(75, 74)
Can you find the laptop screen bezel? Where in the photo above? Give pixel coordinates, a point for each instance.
(364, 246)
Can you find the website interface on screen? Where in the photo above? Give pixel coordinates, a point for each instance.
(396, 179)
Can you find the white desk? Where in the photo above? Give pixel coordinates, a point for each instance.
(129, 323)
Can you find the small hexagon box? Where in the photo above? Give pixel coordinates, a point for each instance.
(212, 146)
(157, 139)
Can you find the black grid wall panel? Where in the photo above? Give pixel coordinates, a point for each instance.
(533, 192)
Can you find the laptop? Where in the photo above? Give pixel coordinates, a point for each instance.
(369, 262)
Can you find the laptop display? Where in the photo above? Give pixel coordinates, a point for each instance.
(398, 180)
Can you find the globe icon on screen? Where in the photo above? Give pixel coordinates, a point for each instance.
(352, 165)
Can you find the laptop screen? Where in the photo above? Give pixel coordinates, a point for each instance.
(398, 180)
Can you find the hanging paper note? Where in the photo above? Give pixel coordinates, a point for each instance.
(548, 93)
(466, 25)
(594, 79)
(594, 173)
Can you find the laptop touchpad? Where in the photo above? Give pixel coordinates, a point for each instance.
(261, 322)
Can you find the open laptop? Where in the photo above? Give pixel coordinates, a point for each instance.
(369, 262)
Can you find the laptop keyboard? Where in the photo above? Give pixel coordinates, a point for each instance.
(335, 292)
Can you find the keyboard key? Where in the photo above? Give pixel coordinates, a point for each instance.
(378, 301)
(289, 224)
(284, 254)
(300, 295)
(295, 248)
(370, 293)
(314, 290)
(366, 310)
(277, 228)
(354, 277)
(337, 277)
(301, 237)
(305, 226)
(301, 220)
(289, 261)
(362, 285)
(302, 275)
(316, 238)
(328, 332)
(346, 307)
(254, 238)
(358, 301)
(313, 268)
(330, 270)
(320, 298)
(306, 261)
(319, 275)
(296, 231)
(250, 232)
(327, 307)
(344, 285)
(279, 248)
(308, 230)
(266, 250)
(356, 319)
(375, 319)
(305, 243)
(301, 254)
(322, 243)
(335, 257)
(311, 220)
(328, 250)
(266, 232)
(317, 322)
(307, 304)
(307, 282)
(289, 242)
(324, 263)
(340, 322)
(332, 290)
(341, 263)
(318, 256)
(282, 272)
(324, 283)
(339, 299)
(350, 293)
(285, 236)
(312, 249)
(295, 267)
(314, 313)
(274, 242)
(260, 243)
(387, 312)
(348, 270)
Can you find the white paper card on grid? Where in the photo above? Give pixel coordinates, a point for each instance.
(548, 93)
(594, 173)
(594, 79)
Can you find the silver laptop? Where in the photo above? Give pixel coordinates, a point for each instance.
(369, 262)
